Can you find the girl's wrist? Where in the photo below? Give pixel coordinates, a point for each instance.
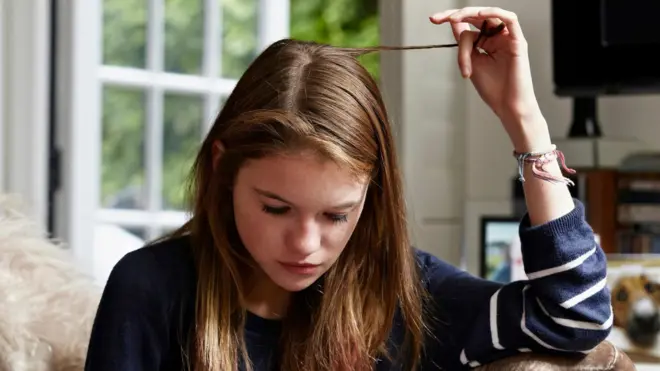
(532, 144)
(529, 134)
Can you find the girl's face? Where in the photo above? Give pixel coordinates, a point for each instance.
(295, 214)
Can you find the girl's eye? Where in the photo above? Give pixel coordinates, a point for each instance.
(275, 210)
(338, 218)
(281, 210)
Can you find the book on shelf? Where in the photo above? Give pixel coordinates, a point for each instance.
(638, 216)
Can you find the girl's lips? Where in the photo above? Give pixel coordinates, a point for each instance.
(300, 268)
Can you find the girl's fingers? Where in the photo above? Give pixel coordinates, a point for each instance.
(465, 49)
(458, 28)
(510, 19)
(441, 17)
(491, 23)
(476, 15)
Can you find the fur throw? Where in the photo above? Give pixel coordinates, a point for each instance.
(47, 306)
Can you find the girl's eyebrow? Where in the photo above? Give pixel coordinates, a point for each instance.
(272, 195)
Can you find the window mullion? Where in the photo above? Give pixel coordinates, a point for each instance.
(78, 111)
(171, 82)
(154, 149)
(212, 52)
(156, 35)
(154, 120)
(212, 39)
(273, 21)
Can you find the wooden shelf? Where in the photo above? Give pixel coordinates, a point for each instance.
(601, 191)
(601, 196)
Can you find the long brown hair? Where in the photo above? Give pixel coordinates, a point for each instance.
(301, 95)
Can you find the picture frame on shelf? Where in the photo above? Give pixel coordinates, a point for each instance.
(500, 254)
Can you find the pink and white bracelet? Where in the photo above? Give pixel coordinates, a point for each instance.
(538, 160)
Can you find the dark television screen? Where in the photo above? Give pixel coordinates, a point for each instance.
(605, 47)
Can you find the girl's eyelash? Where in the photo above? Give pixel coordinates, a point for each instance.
(335, 218)
(338, 218)
(275, 210)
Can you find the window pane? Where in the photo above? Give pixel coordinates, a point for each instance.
(341, 23)
(182, 132)
(184, 36)
(124, 32)
(239, 36)
(122, 179)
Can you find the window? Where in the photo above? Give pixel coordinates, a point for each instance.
(137, 105)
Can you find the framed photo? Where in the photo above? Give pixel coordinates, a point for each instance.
(501, 258)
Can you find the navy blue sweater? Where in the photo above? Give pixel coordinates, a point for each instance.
(147, 306)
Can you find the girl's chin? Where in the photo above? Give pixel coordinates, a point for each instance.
(295, 284)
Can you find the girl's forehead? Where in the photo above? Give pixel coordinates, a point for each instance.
(306, 165)
(302, 179)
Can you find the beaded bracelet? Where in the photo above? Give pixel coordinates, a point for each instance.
(538, 160)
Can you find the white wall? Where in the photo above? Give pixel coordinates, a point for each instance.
(425, 95)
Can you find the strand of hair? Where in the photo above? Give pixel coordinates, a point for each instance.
(362, 51)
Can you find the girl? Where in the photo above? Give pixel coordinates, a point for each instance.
(297, 256)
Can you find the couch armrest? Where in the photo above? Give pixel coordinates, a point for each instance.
(606, 357)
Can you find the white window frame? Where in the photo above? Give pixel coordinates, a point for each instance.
(80, 78)
(24, 104)
(3, 144)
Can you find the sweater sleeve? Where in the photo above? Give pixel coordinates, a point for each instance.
(130, 331)
(564, 306)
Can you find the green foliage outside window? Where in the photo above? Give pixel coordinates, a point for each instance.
(351, 23)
